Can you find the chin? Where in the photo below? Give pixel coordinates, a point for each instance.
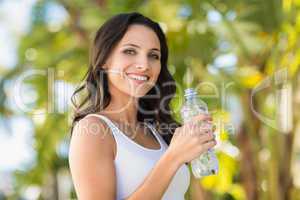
(138, 92)
(137, 95)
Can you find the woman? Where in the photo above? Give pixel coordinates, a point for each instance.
(119, 148)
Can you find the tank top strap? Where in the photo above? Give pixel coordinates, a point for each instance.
(110, 124)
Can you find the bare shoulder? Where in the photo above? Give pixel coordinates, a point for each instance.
(92, 133)
(91, 159)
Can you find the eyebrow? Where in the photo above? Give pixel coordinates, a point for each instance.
(137, 46)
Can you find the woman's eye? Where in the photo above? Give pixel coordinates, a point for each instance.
(154, 56)
(129, 51)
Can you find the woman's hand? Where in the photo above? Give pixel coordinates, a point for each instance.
(192, 139)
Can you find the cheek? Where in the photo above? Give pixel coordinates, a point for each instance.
(120, 61)
(120, 65)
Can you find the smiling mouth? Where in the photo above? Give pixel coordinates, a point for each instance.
(138, 78)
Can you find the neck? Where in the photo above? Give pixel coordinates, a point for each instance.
(123, 110)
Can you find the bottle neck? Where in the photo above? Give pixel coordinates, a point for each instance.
(191, 99)
(195, 100)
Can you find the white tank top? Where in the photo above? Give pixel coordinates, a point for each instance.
(134, 162)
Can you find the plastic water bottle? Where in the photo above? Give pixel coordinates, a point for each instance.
(207, 163)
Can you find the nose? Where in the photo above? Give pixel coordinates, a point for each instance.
(141, 67)
(142, 64)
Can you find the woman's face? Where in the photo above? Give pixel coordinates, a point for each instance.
(137, 56)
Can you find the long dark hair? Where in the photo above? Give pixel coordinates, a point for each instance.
(96, 82)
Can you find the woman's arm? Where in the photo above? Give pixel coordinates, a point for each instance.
(91, 160)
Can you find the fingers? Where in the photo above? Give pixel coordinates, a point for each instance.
(206, 137)
(199, 124)
(208, 145)
(198, 129)
(200, 120)
(197, 120)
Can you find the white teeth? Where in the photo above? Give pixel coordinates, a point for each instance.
(141, 78)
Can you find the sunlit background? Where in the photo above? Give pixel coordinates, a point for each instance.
(243, 57)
